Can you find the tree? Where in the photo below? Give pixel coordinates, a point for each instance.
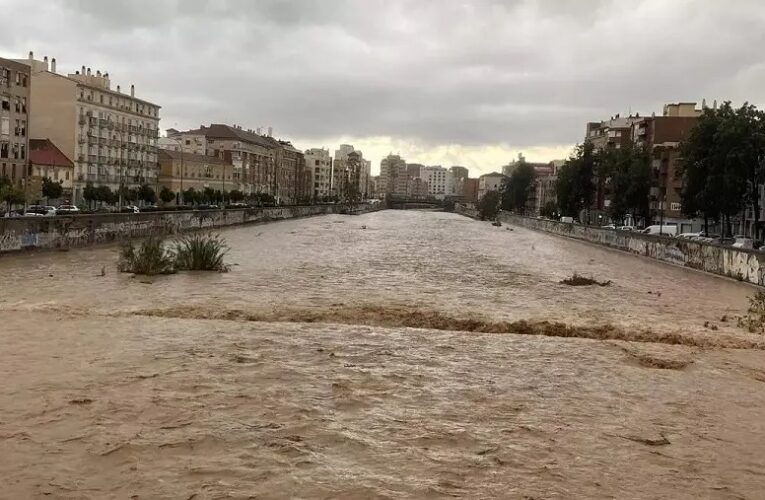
(90, 193)
(488, 205)
(235, 195)
(628, 172)
(549, 210)
(190, 196)
(10, 193)
(574, 187)
(166, 195)
(516, 188)
(51, 189)
(723, 164)
(105, 195)
(147, 194)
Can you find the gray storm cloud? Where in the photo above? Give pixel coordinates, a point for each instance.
(525, 73)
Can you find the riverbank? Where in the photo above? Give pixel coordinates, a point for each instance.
(65, 232)
(737, 263)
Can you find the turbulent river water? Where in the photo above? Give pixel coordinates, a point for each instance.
(397, 354)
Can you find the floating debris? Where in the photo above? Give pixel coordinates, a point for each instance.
(577, 280)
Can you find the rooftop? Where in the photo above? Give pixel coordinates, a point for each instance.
(223, 131)
(44, 152)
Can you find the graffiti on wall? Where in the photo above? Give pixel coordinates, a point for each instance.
(743, 265)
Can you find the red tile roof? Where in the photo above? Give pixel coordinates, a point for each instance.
(44, 152)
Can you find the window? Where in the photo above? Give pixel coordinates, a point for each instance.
(23, 104)
(675, 207)
(23, 80)
(18, 78)
(4, 150)
(6, 105)
(17, 130)
(18, 104)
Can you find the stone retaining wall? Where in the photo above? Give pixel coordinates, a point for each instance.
(740, 264)
(84, 230)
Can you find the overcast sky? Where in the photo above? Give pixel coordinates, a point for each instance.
(440, 82)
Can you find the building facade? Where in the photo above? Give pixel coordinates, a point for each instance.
(180, 171)
(111, 136)
(439, 181)
(319, 165)
(470, 190)
(253, 156)
(661, 136)
(393, 176)
(342, 171)
(489, 182)
(15, 84)
(47, 161)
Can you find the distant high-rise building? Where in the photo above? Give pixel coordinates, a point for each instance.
(341, 170)
(319, 166)
(393, 176)
(439, 181)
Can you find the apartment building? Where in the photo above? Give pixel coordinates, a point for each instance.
(319, 164)
(180, 171)
(662, 135)
(439, 181)
(15, 84)
(252, 155)
(341, 171)
(393, 176)
(111, 136)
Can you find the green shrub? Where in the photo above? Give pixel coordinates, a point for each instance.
(754, 320)
(149, 258)
(199, 252)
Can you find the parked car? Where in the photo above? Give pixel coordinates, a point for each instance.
(130, 209)
(41, 210)
(665, 230)
(608, 226)
(691, 236)
(67, 210)
(207, 207)
(569, 220)
(740, 241)
(237, 205)
(626, 228)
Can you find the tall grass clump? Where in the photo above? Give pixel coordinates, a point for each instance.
(149, 258)
(198, 252)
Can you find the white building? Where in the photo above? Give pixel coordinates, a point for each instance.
(319, 164)
(489, 182)
(439, 181)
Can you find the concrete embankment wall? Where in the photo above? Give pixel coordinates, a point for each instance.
(84, 230)
(744, 265)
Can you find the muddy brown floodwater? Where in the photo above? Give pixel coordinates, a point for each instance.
(426, 356)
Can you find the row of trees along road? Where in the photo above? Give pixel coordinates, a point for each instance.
(626, 172)
(723, 165)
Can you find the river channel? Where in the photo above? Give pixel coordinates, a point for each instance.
(396, 354)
